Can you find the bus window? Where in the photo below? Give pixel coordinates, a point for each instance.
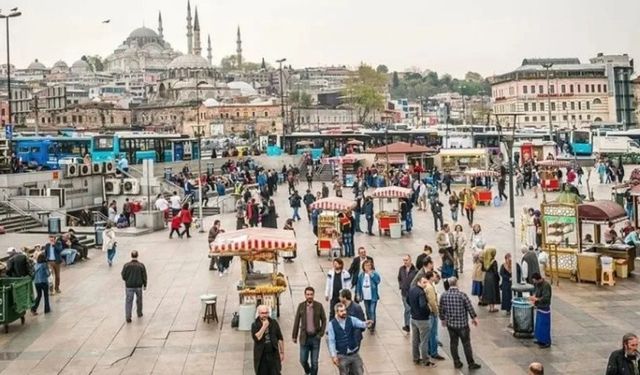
(581, 137)
(103, 144)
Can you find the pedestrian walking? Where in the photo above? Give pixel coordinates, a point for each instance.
(367, 291)
(187, 219)
(347, 229)
(491, 283)
(367, 209)
(213, 233)
(432, 299)
(308, 199)
(454, 202)
(109, 242)
(343, 343)
(134, 275)
(268, 344)
(541, 299)
(469, 204)
(337, 279)
(459, 246)
(357, 265)
(420, 322)
(309, 325)
(455, 310)
(406, 273)
(241, 214)
(625, 361)
(295, 202)
(436, 210)
(41, 282)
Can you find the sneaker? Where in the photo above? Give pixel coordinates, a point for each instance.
(128, 320)
(438, 357)
(430, 364)
(406, 329)
(474, 366)
(416, 361)
(140, 315)
(458, 365)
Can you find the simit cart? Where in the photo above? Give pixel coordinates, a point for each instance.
(328, 222)
(385, 218)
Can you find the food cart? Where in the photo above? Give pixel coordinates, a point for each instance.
(328, 222)
(345, 167)
(536, 149)
(385, 218)
(259, 285)
(482, 194)
(458, 160)
(548, 173)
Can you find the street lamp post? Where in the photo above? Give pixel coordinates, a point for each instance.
(282, 113)
(14, 13)
(199, 134)
(548, 66)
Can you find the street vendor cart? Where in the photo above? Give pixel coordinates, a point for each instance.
(482, 194)
(259, 250)
(328, 222)
(385, 218)
(548, 172)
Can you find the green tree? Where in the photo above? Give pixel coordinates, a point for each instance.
(395, 80)
(95, 62)
(365, 91)
(228, 63)
(473, 77)
(382, 69)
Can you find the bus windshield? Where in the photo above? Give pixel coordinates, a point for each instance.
(103, 144)
(581, 137)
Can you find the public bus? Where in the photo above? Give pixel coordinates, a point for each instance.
(50, 152)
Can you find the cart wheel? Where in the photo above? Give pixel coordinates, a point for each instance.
(6, 328)
(22, 320)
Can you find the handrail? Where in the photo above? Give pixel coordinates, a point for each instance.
(40, 208)
(99, 216)
(20, 211)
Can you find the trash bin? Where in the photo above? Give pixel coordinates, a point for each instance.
(622, 269)
(519, 289)
(522, 314)
(168, 172)
(247, 315)
(55, 225)
(395, 230)
(99, 229)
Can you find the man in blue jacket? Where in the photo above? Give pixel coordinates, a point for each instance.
(53, 254)
(342, 340)
(420, 322)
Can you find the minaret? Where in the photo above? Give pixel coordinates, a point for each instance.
(189, 30)
(209, 55)
(197, 48)
(239, 50)
(160, 25)
(263, 65)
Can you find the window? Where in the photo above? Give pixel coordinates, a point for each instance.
(533, 107)
(64, 119)
(563, 89)
(588, 117)
(586, 88)
(543, 118)
(564, 106)
(573, 117)
(103, 143)
(253, 114)
(571, 89)
(541, 89)
(266, 114)
(599, 88)
(553, 118)
(552, 89)
(80, 119)
(222, 115)
(526, 118)
(573, 106)
(565, 117)
(579, 117)
(588, 105)
(597, 101)
(534, 118)
(579, 106)
(553, 106)
(593, 88)
(526, 107)
(111, 118)
(604, 88)
(524, 89)
(578, 87)
(237, 114)
(533, 89)
(542, 106)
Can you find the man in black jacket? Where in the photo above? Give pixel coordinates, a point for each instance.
(311, 330)
(625, 361)
(18, 264)
(268, 348)
(406, 273)
(356, 265)
(134, 275)
(420, 322)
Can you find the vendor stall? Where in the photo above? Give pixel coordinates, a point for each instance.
(328, 222)
(259, 285)
(400, 154)
(533, 150)
(459, 160)
(548, 173)
(482, 194)
(345, 167)
(385, 218)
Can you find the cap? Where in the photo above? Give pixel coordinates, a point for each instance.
(11, 250)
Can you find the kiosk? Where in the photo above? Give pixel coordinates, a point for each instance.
(386, 219)
(328, 222)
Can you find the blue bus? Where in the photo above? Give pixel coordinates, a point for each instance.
(50, 152)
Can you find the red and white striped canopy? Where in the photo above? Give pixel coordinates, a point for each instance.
(333, 203)
(348, 158)
(253, 240)
(554, 163)
(392, 192)
(481, 173)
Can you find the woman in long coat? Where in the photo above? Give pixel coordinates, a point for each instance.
(506, 282)
(490, 286)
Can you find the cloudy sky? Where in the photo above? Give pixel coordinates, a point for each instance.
(453, 36)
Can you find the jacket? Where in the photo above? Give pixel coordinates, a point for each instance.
(41, 275)
(185, 214)
(134, 274)
(417, 300)
(619, 364)
(300, 321)
(367, 209)
(275, 335)
(432, 298)
(444, 240)
(374, 280)
(356, 268)
(346, 282)
(108, 239)
(405, 277)
(57, 250)
(18, 266)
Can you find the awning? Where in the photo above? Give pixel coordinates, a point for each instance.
(333, 203)
(554, 163)
(601, 211)
(348, 158)
(253, 240)
(392, 192)
(481, 173)
(393, 159)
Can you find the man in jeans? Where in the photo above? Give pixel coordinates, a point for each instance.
(311, 321)
(455, 310)
(53, 253)
(420, 323)
(406, 273)
(342, 340)
(134, 275)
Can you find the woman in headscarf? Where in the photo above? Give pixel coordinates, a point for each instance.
(506, 282)
(490, 286)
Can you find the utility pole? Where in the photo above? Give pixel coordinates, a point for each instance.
(282, 113)
(199, 133)
(548, 66)
(35, 108)
(14, 13)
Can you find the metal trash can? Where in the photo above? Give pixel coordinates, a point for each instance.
(518, 290)
(168, 172)
(99, 227)
(522, 313)
(54, 225)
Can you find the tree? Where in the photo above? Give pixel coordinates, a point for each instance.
(365, 91)
(395, 80)
(473, 77)
(228, 63)
(382, 69)
(95, 62)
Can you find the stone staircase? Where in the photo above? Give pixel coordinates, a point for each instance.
(13, 221)
(324, 173)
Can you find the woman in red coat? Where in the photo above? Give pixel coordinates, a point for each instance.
(185, 214)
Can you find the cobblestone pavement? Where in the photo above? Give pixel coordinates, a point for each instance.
(86, 332)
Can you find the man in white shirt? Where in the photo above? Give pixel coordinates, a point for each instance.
(163, 206)
(175, 203)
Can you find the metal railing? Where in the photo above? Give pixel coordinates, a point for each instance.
(33, 207)
(21, 212)
(99, 216)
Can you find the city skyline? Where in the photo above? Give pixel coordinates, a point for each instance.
(328, 33)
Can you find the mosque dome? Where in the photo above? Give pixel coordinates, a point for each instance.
(61, 65)
(189, 62)
(80, 66)
(245, 88)
(143, 32)
(36, 65)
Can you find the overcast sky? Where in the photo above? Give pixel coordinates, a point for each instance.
(454, 36)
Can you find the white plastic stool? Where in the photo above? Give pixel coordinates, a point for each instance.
(606, 275)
